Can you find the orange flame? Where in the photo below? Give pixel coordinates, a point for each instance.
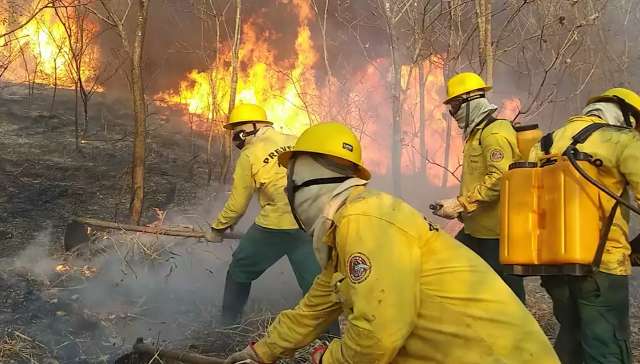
(276, 86)
(45, 54)
(288, 91)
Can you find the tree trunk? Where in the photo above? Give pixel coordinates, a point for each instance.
(483, 17)
(488, 46)
(323, 30)
(455, 39)
(447, 155)
(232, 91)
(85, 111)
(139, 110)
(396, 106)
(422, 127)
(55, 83)
(213, 112)
(75, 117)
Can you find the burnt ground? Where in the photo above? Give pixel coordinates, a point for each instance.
(44, 182)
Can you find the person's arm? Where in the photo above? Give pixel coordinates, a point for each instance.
(498, 154)
(295, 328)
(241, 192)
(628, 165)
(382, 284)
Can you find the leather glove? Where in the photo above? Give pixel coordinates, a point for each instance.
(449, 209)
(246, 356)
(317, 352)
(213, 236)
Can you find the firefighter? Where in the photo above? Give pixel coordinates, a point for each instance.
(275, 232)
(410, 293)
(593, 310)
(490, 146)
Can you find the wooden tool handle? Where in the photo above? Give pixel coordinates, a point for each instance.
(183, 356)
(149, 229)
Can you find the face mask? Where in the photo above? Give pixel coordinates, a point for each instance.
(629, 113)
(292, 188)
(239, 137)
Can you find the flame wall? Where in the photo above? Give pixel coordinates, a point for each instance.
(287, 87)
(41, 52)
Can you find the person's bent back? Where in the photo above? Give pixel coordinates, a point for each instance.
(411, 294)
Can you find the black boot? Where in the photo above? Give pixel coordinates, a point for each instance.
(235, 298)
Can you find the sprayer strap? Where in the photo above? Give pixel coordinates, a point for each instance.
(586, 132)
(604, 235)
(580, 137)
(488, 120)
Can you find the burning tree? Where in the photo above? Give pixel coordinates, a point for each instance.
(46, 53)
(82, 55)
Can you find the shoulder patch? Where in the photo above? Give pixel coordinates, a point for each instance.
(496, 155)
(359, 267)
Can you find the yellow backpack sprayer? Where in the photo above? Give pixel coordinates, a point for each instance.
(557, 227)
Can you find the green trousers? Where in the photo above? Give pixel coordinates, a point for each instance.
(489, 251)
(261, 247)
(593, 312)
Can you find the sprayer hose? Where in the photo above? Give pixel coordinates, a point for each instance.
(602, 188)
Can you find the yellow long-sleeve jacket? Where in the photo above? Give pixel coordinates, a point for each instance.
(410, 294)
(257, 169)
(487, 154)
(619, 150)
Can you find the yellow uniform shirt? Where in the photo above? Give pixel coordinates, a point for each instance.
(257, 168)
(487, 155)
(410, 294)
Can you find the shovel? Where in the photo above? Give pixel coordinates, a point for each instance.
(148, 352)
(80, 230)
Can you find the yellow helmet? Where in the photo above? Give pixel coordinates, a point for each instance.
(246, 113)
(331, 139)
(629, 97)
(464, 82)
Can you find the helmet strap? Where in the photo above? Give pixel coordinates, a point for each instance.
(627, 111)
(467, 115)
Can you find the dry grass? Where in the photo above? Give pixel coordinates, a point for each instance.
(221, 342)
(17, 347)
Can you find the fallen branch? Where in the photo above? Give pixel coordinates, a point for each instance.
(149, 230)
(183, 356)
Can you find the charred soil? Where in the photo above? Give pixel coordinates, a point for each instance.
(45, 182)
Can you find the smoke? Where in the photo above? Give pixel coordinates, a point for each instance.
(137, 285)
(36, 257)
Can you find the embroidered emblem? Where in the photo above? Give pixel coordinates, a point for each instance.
(359, 267)
(496, 155)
